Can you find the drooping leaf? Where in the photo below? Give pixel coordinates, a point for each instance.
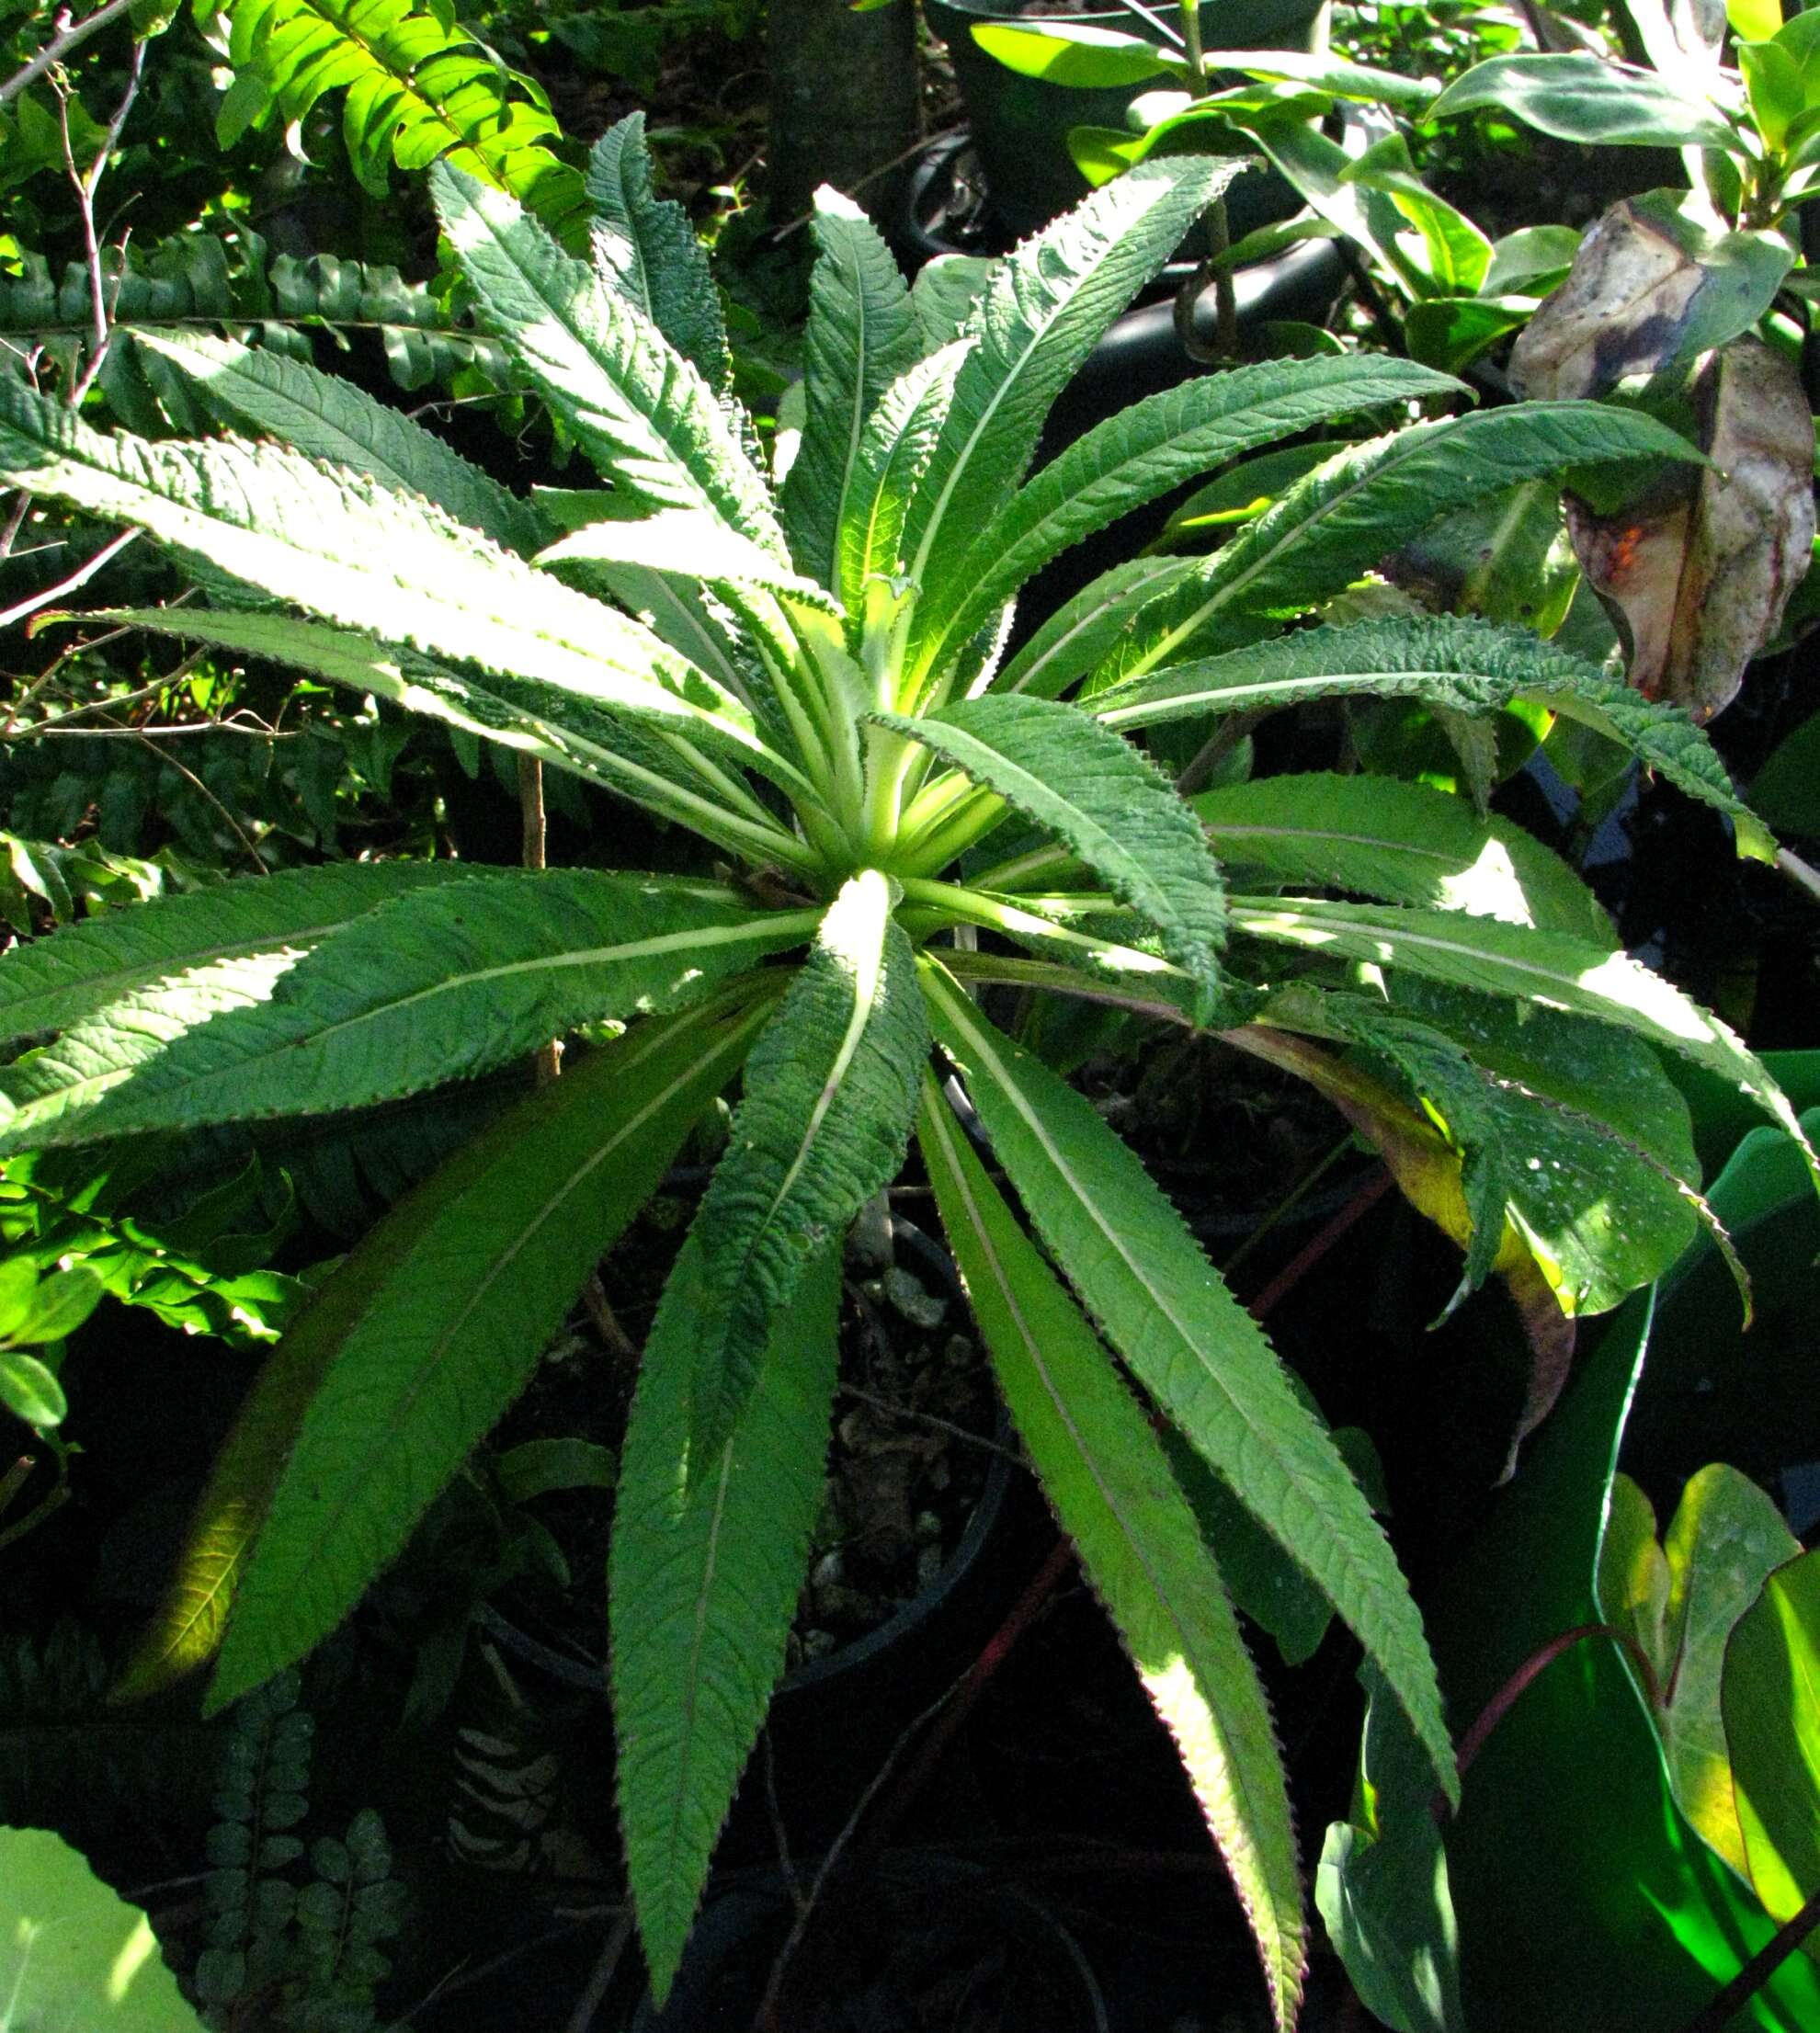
(1382, 1886)
(830, 1093)
(1399, 842)
(1078, 53)
(1680, 1601)
(1465, 664)
(862, 334)
(259, 391)
(49, 984)
(645, 248)
(1109, 1481)
(1108, 803)
(1362, 504)
(441, 983)
(1582, 97)
(1142, 1277)
(1546, 966)
(1141, 453)
(639, 410)
(1770, 1698)
(706, 1568)
(1041, 315)
(415, 1347)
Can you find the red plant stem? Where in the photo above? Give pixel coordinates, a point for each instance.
(1757, 1972)
(1297, 1268)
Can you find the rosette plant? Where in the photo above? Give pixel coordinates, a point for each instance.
(805, 668)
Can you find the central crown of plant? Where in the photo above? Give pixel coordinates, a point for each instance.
(806, 669)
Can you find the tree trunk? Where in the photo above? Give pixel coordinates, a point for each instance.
(844, 102)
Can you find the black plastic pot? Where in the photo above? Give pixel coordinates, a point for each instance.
(1020, 124)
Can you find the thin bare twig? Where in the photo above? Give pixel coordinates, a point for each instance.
(9, 536)
(76, 580)
(86, 185)
(581, 2019)
(70, 36)
(245, 837)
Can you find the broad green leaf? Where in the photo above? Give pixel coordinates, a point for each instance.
(645, 248)
(260, 391)
(1382, 1886)
(530, 715)
(63, 1300)
(1142, 1277)
(1582, 97)
(639, 410)
(830, 1093)
(357, 554)
(415, 1347)
(894, 447)
(1108, 803)
(1044, 310)
(706, 1567)
(1453, 661)
(1109, 1481)
(1680, 1601)
(1351, 513)
(1082, 632)
(1456, 255)
(862, 333)
(1141, 453)
(73, 1952)
(1076, 53)
(439, 984)
(1550, 967)
(49, 983)
(1401, 842)
(1770, 1698)
(29, 1390)
(535, 1468)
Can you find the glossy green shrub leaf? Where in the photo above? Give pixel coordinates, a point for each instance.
(1109, 1481)
(862, 334)
(830, 1093)
(1076, 53)
(415, 1347)
(1142, 1278)
(441, 983)
(73, 1952)
(1108, 803)
(707, 1564)
(1582, 97)
(645, 248)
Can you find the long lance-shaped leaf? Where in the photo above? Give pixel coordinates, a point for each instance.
(646, 249)
(1164, 1308)
(1083, 632)
(1350, 513)
(706, 1568)
(1110, 805)
(635, 406)
(49, 983)
(830, 1095)
(1510, 960)
(417, 1344)
(439, 984)
(686, 544)
(862, 334)
(1107, 1475)
(1143, 452)
(532, 718)
(355, 553)
(1041, 315)
(894, 447)
(1466, 666)
(1400, 843)
(256, 390)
